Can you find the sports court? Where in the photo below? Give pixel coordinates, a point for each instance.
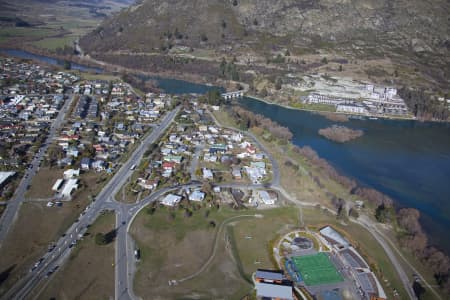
(316, 269)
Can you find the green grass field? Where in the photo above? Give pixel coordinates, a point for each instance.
(316, 269)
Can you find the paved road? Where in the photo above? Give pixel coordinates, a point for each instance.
(194, 163)
(365, 222)
(368, 224)
(275, 168)
(125, 214)
(104, 201)
(13, 205)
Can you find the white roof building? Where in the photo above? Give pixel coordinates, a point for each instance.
(5, 175)
(71, 173)
(197, 196)
(207, 174)
(71, 184)
(57, 185)
(171, 200)
(264, 197)
(332, 235)
(273, 291)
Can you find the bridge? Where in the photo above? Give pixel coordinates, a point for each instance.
(232, 95)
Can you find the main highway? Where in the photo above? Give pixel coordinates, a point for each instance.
(104, 201)
(14, 204)
(125, 214)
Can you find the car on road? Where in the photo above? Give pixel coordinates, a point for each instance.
(137, 254)
(37, 263)
(48, 274)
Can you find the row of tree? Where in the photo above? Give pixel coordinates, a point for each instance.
(247, 119)
(423, 105)
(228, 70)
(412, 236)
(415, 239)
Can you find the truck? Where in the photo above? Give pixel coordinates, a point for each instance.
(133, 167)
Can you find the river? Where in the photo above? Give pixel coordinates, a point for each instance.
(405, 159)
(48, 60)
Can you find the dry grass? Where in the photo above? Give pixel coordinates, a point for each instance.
(254, 237)
(365, 243)
(37, 226)
(42, 183)
(94, 262)
(300, 185)
(173, 249)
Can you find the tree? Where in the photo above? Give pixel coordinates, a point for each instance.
(324, 60)
(100, 239)
(340, 68)
(67, 65)
(223, 67)
(207, 187)
(278, 83)
(381, 213)
(353, 213)
(263, 92)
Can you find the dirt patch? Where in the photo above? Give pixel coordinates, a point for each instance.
(334, 117)
(94, 262)
(171, 254)
(340, 134)
(36, 227)
(43, 181)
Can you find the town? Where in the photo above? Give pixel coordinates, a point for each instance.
(352, 97)
(83, 148)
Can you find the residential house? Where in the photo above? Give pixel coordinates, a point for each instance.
(197, 196)
(148, 184)
(236, 172)
(207, 174)
(85, 163)
(264, 197)
(171, 200)
(71, 173)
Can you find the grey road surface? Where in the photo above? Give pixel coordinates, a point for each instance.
(10, 213)
(104, 201)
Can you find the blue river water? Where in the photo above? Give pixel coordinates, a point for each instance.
(48, 60)
(407, 160)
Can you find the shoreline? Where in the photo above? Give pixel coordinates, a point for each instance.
(337, 113)
(109, 68)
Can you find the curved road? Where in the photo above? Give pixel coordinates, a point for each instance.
(13, 205)
(125, 214)
(104, 201)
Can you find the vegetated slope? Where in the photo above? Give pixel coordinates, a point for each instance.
(402, 25)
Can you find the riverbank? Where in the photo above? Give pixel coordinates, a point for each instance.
(306, 176)
(340, 134)
(332, 112)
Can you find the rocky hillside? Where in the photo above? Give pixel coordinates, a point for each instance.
(413, 35)
(150, 24)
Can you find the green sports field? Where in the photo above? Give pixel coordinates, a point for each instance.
(316, 269)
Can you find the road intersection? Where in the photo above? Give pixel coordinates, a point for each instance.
(125, 214)
(104, 201)
(14, 204)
